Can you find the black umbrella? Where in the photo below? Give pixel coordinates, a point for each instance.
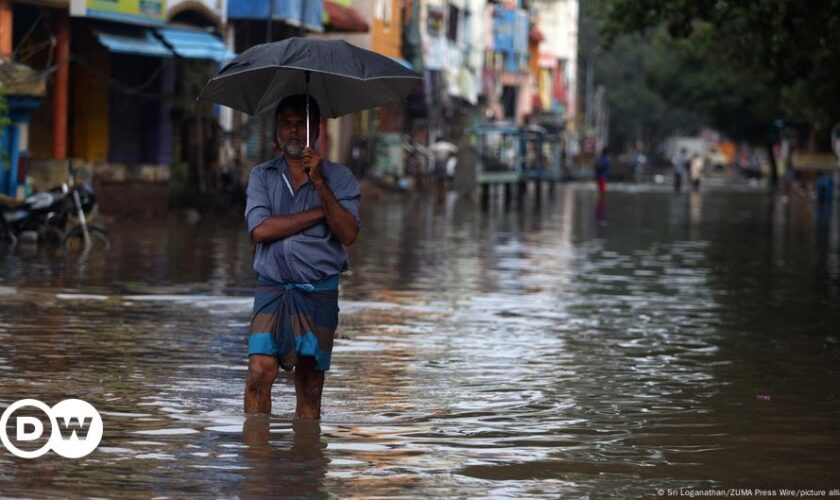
(341, 77)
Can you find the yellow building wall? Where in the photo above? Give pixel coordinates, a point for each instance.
(387, 36)
(90, 100)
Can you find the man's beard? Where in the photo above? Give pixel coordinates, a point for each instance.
(291, 149)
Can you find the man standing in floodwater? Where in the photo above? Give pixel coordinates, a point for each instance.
(301, 213)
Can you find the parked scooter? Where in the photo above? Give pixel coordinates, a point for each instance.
(28, 219)
(45, 217)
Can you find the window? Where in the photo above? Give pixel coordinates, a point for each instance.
(382, 11)
(452, 25)
(466, 28)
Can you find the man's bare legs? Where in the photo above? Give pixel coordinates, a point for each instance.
(309, 384)
(262, 370)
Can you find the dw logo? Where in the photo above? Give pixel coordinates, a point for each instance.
(75, 428)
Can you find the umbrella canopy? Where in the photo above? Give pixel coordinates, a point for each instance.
(343, 78)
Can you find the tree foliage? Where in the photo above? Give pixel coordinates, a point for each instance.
(638, 109)
(695, 74)
(742, 63)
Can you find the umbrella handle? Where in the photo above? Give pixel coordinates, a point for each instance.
(306, 77)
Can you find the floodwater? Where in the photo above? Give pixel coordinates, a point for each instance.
(568, 348)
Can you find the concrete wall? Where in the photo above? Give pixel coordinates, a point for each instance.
(120, 188)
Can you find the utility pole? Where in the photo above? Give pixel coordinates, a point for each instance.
(599, 118)
(62, 85)
(6, 29)
(589, 120)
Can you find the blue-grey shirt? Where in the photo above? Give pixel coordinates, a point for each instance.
(315, 253)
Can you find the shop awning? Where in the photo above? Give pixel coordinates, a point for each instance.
(136, 41)
(338, 17)
(196, 44)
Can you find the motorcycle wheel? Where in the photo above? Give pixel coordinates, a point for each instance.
(75, 239)
(52, 235)
(8, 238)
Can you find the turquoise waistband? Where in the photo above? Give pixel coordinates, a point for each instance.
(329, 283)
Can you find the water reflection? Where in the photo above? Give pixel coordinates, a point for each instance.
(601, 216)
(283, 461)
(506, 352)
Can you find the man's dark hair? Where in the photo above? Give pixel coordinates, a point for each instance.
(298, 103)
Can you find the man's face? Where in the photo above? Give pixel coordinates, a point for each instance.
(291, 132)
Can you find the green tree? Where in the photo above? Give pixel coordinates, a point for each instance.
(5, 120)
(639, 110)
(769, 58)
(698, 75)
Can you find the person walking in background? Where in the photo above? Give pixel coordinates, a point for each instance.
(696, 171)
(639, 166)
(679, 162)
(602, 170)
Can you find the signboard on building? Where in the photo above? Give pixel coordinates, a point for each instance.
(148, 12)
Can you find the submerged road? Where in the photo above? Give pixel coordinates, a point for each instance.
(573, 348)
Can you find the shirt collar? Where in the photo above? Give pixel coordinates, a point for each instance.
(283, 168)
(279, 163)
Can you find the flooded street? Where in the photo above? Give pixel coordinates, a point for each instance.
(569, 348)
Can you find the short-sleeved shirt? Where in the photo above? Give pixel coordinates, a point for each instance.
(315, 253)
(603, 167)
(679, 163)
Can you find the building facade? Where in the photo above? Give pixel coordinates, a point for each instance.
(120, 80)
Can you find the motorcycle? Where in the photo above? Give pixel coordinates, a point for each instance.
(45, 217)
(27, 218)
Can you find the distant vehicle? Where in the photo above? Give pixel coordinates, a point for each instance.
(510, 152)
